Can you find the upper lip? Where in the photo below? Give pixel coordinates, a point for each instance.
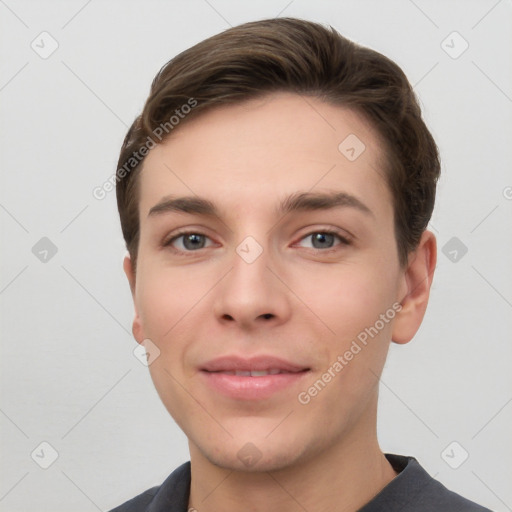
(257, 363)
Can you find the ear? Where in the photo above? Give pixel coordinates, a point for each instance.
(415, 289)
(137, 330)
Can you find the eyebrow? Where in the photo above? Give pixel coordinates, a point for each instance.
(299, 201)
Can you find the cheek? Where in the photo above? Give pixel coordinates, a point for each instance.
(350, 298)
(167, 302)
(166, 298)
(166, 379)
(356, 304)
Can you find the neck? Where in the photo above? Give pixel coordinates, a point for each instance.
(343, 477)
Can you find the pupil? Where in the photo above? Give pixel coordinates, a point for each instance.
(190, 241)
(322, 238)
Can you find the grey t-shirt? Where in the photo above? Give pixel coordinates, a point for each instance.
(413, 490)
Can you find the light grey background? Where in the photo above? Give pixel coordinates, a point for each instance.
(68, 374)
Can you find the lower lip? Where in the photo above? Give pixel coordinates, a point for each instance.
(252, 388)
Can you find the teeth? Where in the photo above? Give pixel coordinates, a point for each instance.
(253, 373)
(260, 373)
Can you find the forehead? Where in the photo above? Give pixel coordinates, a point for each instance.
(254, 153)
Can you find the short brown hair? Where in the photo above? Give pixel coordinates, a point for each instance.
(298, 56)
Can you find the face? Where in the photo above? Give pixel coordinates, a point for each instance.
(265, 269)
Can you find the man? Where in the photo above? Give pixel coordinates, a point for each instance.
(274, 196)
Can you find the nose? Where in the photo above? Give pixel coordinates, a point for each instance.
(253, 293)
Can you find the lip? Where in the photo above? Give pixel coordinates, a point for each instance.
(247, 387)
(257, 363)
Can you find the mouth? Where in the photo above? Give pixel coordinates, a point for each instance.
(256, 373)
(262, 363)
(257, 378)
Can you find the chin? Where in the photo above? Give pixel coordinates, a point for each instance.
(254, 453)
(250, 459)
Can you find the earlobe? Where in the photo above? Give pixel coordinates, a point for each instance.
(137, 329)
(418, 278)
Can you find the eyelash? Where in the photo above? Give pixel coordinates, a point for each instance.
(344, 240)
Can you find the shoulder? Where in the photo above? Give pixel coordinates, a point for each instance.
(138, 503)
(171, 495)
(413, 489)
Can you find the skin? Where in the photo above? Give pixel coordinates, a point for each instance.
(298, 300)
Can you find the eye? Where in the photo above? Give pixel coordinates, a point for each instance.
(190, 241)
(187, 241)
(325, 239)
